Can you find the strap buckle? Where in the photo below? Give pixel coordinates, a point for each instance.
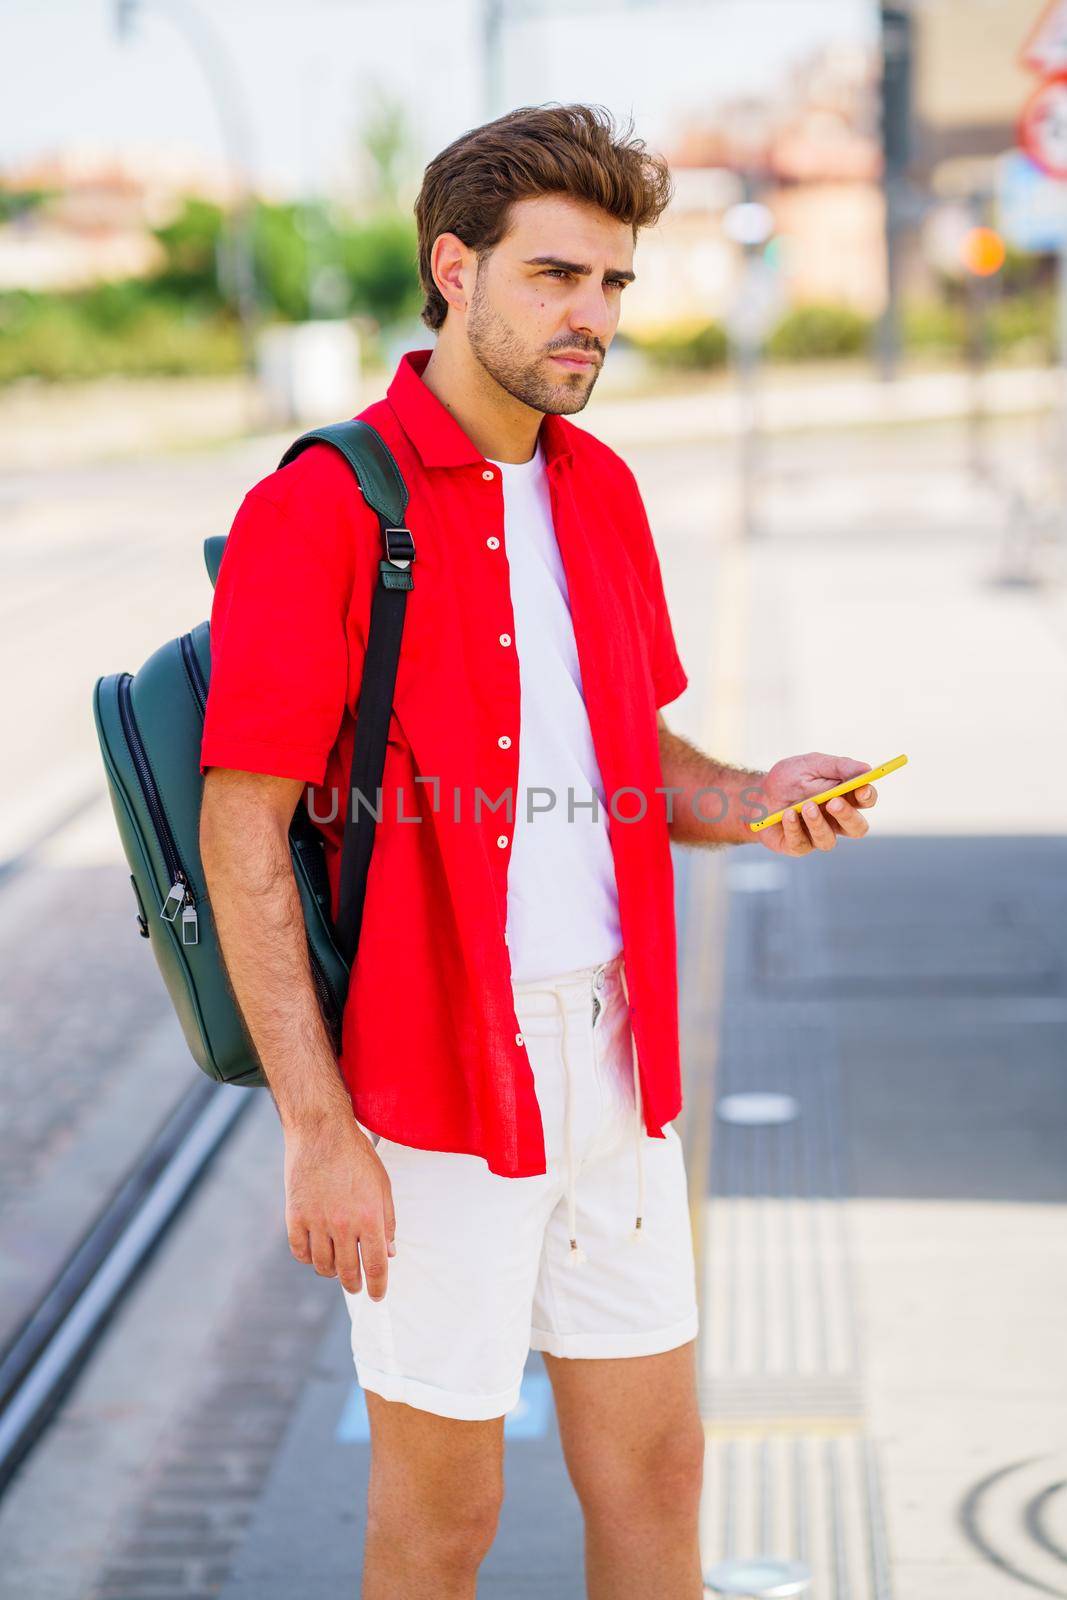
(399, 546)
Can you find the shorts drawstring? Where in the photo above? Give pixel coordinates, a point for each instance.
(575, 1254)
(639, 1120)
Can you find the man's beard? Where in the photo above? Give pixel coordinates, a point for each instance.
(528, 379)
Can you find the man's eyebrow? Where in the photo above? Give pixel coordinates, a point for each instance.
(580, 267)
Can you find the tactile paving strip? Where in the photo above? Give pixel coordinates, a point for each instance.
(790, 1469)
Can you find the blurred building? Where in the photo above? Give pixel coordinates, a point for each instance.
(87, 213)
(811, 153)
(967, 89)
(968, 84)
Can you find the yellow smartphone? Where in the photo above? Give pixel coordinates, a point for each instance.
(828, 794)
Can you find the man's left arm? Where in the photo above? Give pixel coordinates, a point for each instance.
(711, 803)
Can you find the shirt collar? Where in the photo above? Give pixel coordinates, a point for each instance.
(434, 431)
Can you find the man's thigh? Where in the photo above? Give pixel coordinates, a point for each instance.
(617, 1414)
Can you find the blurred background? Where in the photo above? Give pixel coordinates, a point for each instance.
(841, 379)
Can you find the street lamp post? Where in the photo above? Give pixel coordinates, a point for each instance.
(224, 83)
(896, 29)
(756, 308)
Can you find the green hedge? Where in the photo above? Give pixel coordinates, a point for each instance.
(1025, 321)
(83, 336)
(809, 333)
(934, 325)
(1013, 322)
(179, 321)
(828, 332)
(703, 345)
(819, 333)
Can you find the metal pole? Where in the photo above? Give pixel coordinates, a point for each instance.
(976, 290)
(748, 437)
(896, 140)
(1061, 341)
(224, 83)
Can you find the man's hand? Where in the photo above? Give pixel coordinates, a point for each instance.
(337, 1197)
(816, 827)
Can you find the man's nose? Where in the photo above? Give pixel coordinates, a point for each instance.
(593, 315)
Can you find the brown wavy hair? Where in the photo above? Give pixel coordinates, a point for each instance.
(552, 149)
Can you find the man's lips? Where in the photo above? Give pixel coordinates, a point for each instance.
(576, 363)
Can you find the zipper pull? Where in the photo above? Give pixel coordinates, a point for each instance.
(170, 907)
(190, 926)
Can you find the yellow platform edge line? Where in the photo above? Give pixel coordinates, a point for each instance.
(760, 1427)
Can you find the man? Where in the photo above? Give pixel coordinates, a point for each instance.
(491, 1159)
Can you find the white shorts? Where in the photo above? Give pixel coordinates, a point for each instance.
(485, 1267)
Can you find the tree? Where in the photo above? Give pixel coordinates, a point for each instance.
(386, 154)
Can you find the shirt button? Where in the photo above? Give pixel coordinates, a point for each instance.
(493, 542)
(502, 841)
(505, 638)
(519, 1039)
(488, 474)
(504, 742)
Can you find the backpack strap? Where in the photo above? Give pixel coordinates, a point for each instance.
(380, 480)
(214, 545)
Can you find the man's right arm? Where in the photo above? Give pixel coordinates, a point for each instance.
(300, 562)
(337, 1190)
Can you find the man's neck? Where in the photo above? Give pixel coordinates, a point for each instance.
(501, 427)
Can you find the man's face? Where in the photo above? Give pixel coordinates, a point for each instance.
(552, 285)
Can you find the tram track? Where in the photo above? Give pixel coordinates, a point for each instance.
(43, 1359)
(50, 1345)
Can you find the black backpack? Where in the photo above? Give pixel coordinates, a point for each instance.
(150, 727)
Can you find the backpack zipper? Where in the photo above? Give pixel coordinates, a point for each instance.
(326, 1001)
(193, 672)
(181, 895)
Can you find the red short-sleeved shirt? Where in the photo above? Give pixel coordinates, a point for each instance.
(430, 1052)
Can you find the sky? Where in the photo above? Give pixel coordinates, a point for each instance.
(307, 70)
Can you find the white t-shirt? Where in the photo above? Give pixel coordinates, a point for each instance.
(563, 908)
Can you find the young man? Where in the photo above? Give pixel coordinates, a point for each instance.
(495, 1141)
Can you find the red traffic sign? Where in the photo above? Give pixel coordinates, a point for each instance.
(1045, 50)
(1043, 126)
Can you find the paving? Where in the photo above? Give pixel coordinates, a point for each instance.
(883, 1274)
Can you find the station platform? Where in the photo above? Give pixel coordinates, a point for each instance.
(910, 998)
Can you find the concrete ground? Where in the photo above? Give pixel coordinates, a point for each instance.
(885, 1278)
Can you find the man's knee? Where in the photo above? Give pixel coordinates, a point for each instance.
(660, 1480)
(448, 1533)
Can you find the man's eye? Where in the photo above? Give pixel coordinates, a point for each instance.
(611, 283)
